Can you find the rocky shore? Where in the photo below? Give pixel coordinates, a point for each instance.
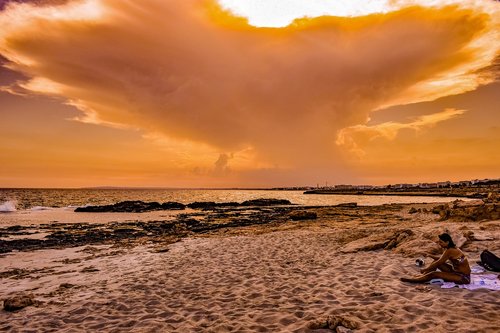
(141, 206)
(210, 217)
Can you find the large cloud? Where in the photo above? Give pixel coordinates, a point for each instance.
(188, 70)
(352, 136)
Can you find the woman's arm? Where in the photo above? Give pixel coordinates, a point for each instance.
(432, 267)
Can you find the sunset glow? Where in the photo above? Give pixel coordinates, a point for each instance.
(197, 93)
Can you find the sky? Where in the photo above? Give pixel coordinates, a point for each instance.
(237, 93)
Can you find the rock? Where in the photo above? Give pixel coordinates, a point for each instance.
(475, 213)
(89, 269)
(375, 294)
(475, 236)
(18, 302)
(423, 289)
(228, 204)
(202, 205)
(131, 207)
(348, 205)
(439, 208)
(318, 324)
(206, 205)
(412, 210)
(492, 197)
(66, 286)
(266, 202)
(342, 329)
(444, 211)
(126, 230)
(474, 210)
(348, 322)
(398, 239)
(385, 241)
(370, 243)
(471, 203)
(333, 322)
(469, 235)
(303, 215)
(15, 228)
(477, 196)
(172, 206)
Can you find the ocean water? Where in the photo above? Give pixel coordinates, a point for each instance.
(43, 199)
(39, 206)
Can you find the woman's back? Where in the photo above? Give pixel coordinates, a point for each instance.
(458, 260)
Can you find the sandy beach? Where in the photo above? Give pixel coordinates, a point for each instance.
(267, 278)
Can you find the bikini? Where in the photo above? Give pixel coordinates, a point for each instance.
(464, 278)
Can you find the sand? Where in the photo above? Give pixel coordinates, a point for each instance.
(278, 279)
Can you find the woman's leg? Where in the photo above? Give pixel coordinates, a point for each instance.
(446, 268)
(446, 276)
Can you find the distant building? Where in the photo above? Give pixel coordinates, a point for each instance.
(344, 187)
(403, 186)
(364, 187)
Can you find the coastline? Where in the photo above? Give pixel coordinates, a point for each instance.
(464, 193)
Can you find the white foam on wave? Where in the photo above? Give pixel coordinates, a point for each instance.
(8, 206)
(38, 208)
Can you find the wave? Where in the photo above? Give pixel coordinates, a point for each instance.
(75, 206)
(38, 208)
(8, 206)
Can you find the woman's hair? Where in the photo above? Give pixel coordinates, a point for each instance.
(447, 238)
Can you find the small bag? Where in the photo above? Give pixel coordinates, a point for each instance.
(490, 261)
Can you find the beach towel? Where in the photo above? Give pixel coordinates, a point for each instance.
(478, 281)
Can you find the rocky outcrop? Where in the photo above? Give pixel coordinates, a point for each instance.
(141, 206)
(211, 205)
(266, 202)
(79, 234)
(302, 215)
(385, 241)
(348, 205)
(398, 238)
(475, 210)
(132, 207)
(492, 197)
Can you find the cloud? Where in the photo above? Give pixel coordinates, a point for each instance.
(222, 165)
(355, 136)
(190, 72)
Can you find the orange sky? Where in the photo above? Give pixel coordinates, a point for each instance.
(188, 94)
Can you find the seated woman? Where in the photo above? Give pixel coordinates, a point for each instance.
(458, 271)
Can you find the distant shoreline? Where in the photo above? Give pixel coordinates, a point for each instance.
(470, 194)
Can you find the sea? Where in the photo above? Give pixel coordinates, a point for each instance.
(28, 206)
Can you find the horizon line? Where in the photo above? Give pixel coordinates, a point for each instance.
(223, 188)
